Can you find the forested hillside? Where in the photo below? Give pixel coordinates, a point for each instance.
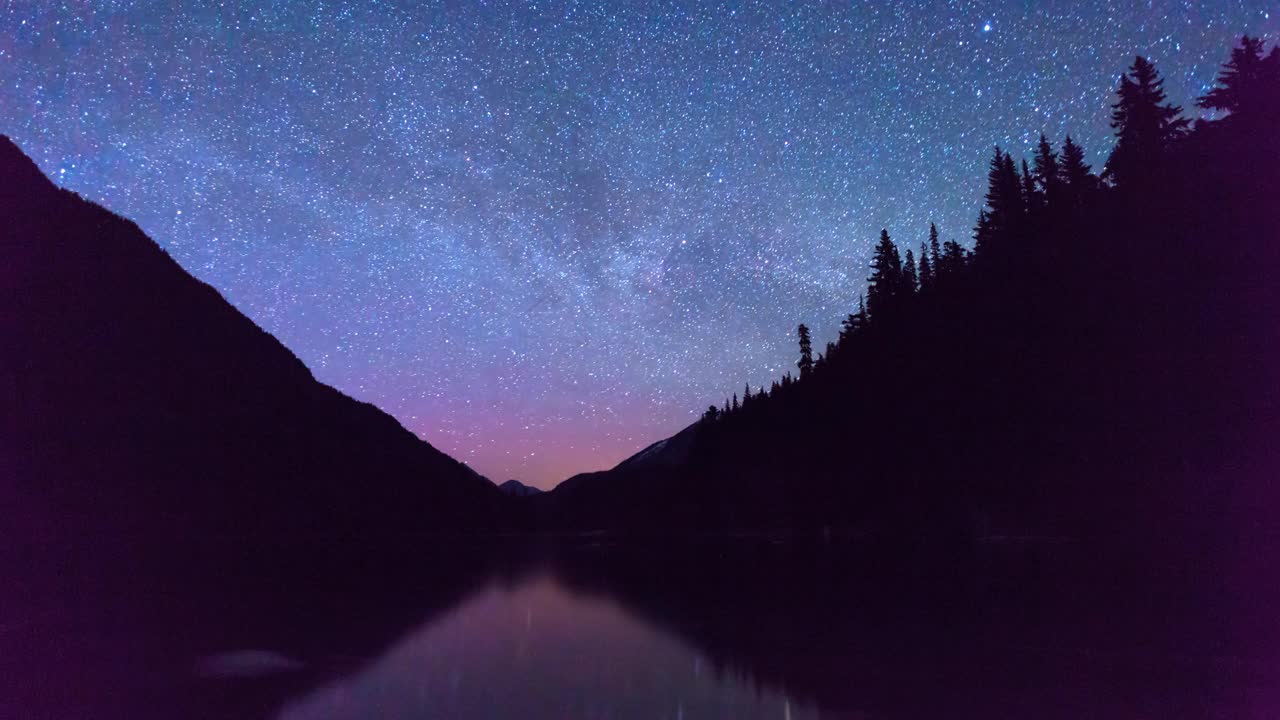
(1102, 362)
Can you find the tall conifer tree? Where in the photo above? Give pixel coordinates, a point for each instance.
(910, 280)
(806, 351)
(954, 256)
(1046, 171)
(1146, 125)
(886, 277)
(935, 250)
(1249, 83)
(926, 269)
(1076, 179)
(1002, 217)
(1031, 195)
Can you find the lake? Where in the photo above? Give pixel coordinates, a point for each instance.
(539, 650)
(742, 629)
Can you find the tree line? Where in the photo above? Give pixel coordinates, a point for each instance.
(1024, 199)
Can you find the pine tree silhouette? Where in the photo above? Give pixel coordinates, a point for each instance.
(935, 249)
(886, 277)
(855, 321)
(1249, 84)
(954, 257)
(1000, 221)
(1046, 171)
(1146, 125)
(848, 327)
(1014, 203)
(1031, 196)
(1076, 180)
(806, 351)
(910, 280)
(926, 269)
(984, 233)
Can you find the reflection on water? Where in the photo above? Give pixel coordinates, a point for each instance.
(537, 650)
(692, 629)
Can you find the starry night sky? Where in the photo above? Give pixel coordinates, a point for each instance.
(543, 235)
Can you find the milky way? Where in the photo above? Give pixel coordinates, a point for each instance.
(545, 235)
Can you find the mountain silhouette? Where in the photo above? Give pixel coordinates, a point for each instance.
(515, 488)
(1104, 363)
(594, 499)
(139, 404)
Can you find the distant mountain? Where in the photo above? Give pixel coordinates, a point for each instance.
(601, 498)
(666, 453)
(515, 488)
(138, 403)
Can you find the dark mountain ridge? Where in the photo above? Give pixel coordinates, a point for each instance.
(515, 488)
(140, 404)
(1105, 363)
(587, 493)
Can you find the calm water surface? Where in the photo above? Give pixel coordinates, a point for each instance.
(538, 650)
(598, 631)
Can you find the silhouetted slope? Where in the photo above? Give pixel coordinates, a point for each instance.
(1109, 366)
(581, 500)
(138, 402)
